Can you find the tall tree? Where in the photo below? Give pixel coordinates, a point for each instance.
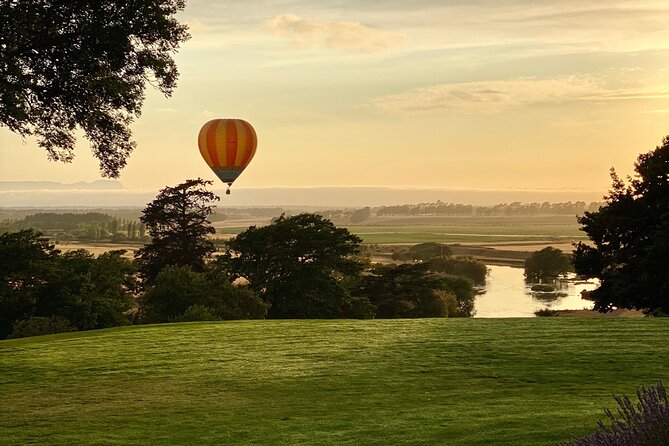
(297, 265)
(73, 63)
(630, 234)
(177, 222)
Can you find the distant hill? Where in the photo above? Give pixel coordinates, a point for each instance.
(112, 193)
(54, 185)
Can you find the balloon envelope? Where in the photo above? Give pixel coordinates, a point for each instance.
(227, 146)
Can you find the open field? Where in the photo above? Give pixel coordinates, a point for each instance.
(432, 381)
(477, 230)
(99, 248)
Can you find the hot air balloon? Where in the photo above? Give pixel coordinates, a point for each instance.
(227, 146)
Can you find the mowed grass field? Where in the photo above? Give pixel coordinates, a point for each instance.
(389, 230)
(434, 381)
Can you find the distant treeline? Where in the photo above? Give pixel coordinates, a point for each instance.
(84, 226)
(517, 208)
(225, 213)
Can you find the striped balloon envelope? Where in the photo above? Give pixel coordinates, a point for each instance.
(227, 146)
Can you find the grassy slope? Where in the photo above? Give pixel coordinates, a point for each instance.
(456, 382)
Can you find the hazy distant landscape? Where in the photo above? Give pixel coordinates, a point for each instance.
(112, 193)
(326, 222)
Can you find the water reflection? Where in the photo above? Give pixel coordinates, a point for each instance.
(507, 295)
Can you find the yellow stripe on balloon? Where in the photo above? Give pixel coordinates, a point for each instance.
(221, 142)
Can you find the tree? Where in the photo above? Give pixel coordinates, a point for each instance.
(411, 290)
(36, 280)
(177, 222)
(630, 233)
(298, 265)
(178, 289)
(72, 63)
(460, 266)
(547, 264)
(361, 215)
(25, 259)
(89, 292)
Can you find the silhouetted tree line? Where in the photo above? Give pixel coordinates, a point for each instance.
(504, 209)
(264, 212)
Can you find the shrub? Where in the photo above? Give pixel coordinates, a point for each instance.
(544, 288)
(646, 424)
(196, 313)
(423, 252)
(37, 326)
(546, 312)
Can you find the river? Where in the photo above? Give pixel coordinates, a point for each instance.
(506, 295)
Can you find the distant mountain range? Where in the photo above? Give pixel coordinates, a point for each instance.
(54, 185)
(112, 193)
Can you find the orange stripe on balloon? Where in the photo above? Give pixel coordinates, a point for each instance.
(231, 143)
(251, 144)
(242, 142)
(211, 142)
(202, 142)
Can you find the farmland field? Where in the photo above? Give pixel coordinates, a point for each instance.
(476, 230)
(432, 381)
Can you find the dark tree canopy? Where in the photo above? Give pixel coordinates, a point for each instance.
(631, 239)
(547, 264)
(79, 291)
(297, 265)
(178, 288)
(424, 252)
(177, 222)
(411, 290)
(71, 63)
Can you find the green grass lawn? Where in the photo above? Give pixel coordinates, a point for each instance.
(436, 381)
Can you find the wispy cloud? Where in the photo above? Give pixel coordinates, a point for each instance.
(344, 35)
(495, 96)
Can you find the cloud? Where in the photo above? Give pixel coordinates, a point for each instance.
(343, 35)
(495, 96)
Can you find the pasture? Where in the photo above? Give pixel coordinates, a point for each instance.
(431, 381)
(443, 229)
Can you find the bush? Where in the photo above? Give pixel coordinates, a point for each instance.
(646, 424)
(423, 252)
(196, 313)
(544, 288)
(38, 326)
(546, 312)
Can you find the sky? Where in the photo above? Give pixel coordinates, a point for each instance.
(489, 94)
